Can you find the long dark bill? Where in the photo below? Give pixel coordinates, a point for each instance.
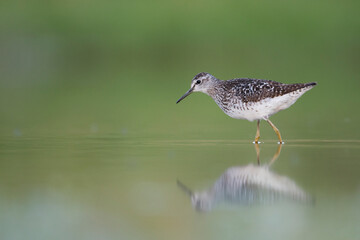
(186, 94)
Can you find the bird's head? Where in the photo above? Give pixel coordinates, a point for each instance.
(202, 82)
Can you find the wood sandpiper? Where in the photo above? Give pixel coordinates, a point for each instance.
(251, 99)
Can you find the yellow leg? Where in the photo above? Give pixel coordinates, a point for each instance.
(257, 149)
(276, 155)
(276, 131)
(257, 137)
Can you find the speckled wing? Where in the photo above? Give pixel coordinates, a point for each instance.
(254, 90)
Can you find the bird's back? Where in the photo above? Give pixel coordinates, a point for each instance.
(256, 98)
(255, 90)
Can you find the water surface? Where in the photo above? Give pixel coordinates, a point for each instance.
(116, 187)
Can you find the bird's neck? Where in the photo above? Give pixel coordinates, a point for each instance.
(213, 90)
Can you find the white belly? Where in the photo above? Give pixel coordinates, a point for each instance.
(262, 109)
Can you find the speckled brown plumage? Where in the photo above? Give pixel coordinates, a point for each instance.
(254, 90)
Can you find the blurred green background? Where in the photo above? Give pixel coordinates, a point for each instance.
(92, 142)
(85, 67)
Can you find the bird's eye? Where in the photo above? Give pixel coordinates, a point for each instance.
(198, 81)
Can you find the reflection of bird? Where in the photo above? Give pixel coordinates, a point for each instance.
(251, 99)
(247, 185)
